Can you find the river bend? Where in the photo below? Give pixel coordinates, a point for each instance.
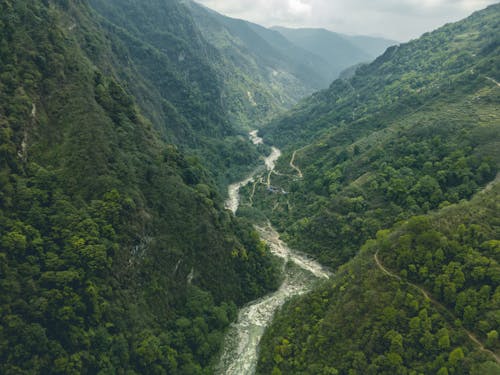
(240, 351)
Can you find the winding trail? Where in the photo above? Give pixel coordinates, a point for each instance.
(439, 305)
(294, 166)
(239, 354)
(493, 80)
(491, 184)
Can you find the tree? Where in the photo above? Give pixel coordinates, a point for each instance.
(492, 338)
(456, 356)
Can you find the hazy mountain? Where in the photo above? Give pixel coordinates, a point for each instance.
(340, 51)
(176, 77)
(373, 46)
(261, 68)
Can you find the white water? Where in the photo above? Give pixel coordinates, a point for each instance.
(256, 140)
(233, 200)
(240, 352)
(271, 159)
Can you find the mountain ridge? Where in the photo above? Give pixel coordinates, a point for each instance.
(110, 237)
(118, 134)
(399, 165)
(339, 50)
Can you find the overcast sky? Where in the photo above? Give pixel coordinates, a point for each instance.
(396, 19)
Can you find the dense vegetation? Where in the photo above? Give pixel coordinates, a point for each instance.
(163, 59)
(263, 72)
(121, 120)
(372, 164)
(455, 58)
(116, 255)
(202, 79)
(454, 255)
(403, 144)
(367, 322)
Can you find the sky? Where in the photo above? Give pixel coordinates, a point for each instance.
(400, 20)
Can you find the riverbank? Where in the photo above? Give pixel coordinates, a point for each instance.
(300, 274)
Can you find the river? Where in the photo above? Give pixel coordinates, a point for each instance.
(240, 352)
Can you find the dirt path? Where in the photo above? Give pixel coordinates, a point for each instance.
(493, 80)
(491, 184)
(252, 194)
(437, 304)
(294, 166)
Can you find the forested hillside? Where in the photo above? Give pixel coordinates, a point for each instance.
(413, 131)
(116, 255)
(403, 144)
(201, 78)
(121, 123)
(263, 71)
(239, 74)
(427, 307)
(161, 57)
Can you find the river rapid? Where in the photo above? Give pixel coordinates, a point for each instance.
(240, 352)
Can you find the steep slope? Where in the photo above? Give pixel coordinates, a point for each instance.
(338, 50)
(416, 128)
(402, 79)
(261, 68)
(242, 74)
(116, 255)
(206, 81)
(414, 133)
(161, 57)
(427, 303)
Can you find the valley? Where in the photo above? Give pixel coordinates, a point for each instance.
(186, 193)
(299, 274)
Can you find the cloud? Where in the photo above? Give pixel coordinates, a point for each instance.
(263, 11)
(398, 19)
(299, 8)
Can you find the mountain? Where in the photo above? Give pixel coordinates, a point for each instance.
(338, 50)
(243, 74)
(267, 68)
(206, 79)
(421, 298)
(390, 179)
(167, 65)
(415, 128)
(116, 253)
(122, 120)
(373, 46)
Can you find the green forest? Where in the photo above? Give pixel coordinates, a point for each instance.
(122, 122)
(395, 165)
(367, 321)
(110, 237)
